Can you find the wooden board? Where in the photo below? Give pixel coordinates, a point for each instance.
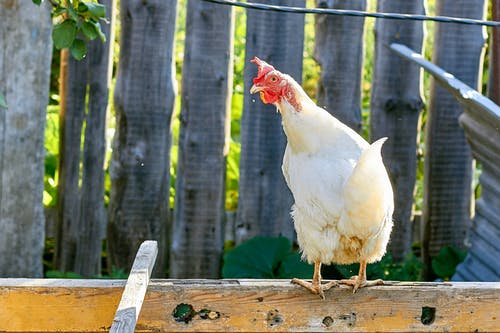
(135, 289)
(49, 305)
(250, 306)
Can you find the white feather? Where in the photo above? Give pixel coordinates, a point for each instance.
(343, 196)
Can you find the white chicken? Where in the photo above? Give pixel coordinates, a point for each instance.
(343, 196)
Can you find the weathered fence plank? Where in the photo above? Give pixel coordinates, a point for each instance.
(197, 236)
(251, 306)
(338, 49)
(264, 199)
(80, 201)
(133, 294)
(494, 56)
(395, 105)
(26, 44)
(448, 161)
(144, 104)
(481, 122)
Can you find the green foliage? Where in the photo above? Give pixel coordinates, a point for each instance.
(119, 274)
(232, 175)
(265, 258)
(310, 68)
(52, 274)
(273, 257)
(409, 270)
(76, 18)
(446, 261)
(64, 34)
(3, 103)
(51, 155)
(78, 49)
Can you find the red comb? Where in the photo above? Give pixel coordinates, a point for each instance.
(264, 68)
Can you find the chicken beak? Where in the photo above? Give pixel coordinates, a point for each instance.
(255, 89)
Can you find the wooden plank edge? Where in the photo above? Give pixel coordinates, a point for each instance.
(249, 306)
(135, 289)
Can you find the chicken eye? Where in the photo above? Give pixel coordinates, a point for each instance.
(273, 79)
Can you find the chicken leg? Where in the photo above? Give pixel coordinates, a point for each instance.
(315, 286)
(359, 281)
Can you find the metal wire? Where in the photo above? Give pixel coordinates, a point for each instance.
(345, 12)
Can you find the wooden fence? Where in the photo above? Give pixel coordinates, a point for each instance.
(144, 103)
(278, 38)
(481, 122)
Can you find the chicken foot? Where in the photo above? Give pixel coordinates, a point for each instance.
(315, 286)
(360, 281)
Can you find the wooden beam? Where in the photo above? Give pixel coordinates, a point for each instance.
(250, 306)
(133, 294)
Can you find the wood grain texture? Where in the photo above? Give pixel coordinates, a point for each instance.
(395, 104)
(448, 160)
(265, 201)
(250, 306)
(494, 56)
(481, 122)
(144, 103)
(133, 294)
(25, 55)
(338, 49)
(197, 237)
(80, 193)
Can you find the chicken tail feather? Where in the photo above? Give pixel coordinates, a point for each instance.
(367, 193)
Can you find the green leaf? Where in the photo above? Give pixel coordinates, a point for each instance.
(50, 164)
(72, 12)
(64, 34)
(259, 257)
(89, 30)
(98, 29)
(293, 267)
(446, 261)
(37, 2)
(58, 11)
(78, 49)
(95, 9)
(3, 103)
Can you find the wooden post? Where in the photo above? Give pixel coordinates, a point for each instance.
(26, 44)
(28, 305)
(494, 56)
(196, 240)
(80, 202)
(265, 201)
(338, 49)
(144, 103)
(133, 294)
(395, 111)
(446, 212)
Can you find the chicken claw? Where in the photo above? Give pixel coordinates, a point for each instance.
(360, 281)
(315, 287)
(357, 283)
